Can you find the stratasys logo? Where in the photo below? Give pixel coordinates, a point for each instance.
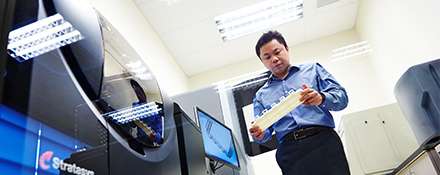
(47, 158)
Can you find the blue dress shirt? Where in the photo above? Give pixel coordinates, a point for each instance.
(314, 76)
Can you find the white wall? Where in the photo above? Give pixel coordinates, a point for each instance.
(402, 33)
(133, 26)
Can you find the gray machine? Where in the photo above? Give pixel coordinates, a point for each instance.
(418, 95)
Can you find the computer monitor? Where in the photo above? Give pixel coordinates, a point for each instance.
(217, 140)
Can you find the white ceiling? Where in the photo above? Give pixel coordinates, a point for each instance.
(188, 30)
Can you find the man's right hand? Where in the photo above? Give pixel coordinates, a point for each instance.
(256, 132)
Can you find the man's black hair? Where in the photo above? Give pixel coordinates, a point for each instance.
(267, 37)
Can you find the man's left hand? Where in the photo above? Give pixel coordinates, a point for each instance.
(310, 96)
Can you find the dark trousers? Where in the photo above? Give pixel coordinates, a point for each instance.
(320, 154)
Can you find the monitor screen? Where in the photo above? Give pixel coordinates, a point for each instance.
(217, 140)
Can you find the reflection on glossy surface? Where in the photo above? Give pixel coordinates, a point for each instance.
(41, 37)
(33, 145)
(130, 98)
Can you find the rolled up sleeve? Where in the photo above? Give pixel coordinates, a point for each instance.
(335, 95)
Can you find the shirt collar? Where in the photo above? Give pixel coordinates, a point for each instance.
(290, 71)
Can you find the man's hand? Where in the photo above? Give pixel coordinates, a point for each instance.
(310, 96)
(256, 132)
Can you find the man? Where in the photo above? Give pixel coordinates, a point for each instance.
(307, 143)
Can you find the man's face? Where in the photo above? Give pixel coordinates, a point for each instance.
(275, 57)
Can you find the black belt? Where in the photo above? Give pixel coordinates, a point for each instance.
(303, 133)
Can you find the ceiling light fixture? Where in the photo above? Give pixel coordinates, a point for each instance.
(264, 15)
(350, 51)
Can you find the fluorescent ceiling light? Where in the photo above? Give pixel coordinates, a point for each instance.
(41, 37)
(350, 51)
(263, 15)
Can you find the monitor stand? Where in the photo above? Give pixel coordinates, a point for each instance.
(215, 165)
(219, 168)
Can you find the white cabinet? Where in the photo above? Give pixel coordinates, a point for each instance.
(376, 140)
(371, 143)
